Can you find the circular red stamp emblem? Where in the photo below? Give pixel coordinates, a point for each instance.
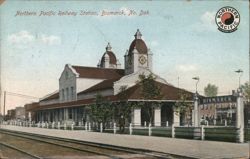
(227, 19)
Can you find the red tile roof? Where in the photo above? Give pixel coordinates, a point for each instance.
(140, 46)
(52, 96)
(106, 84)
(31, 106)
(70, 104)
(168, 92)
(100, 73)
(112, 58)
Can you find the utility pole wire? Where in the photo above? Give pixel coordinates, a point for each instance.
(21, 95)
(17, 95)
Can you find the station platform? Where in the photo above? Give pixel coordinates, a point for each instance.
(183, 147)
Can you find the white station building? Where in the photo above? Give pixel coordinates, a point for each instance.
(79, 85)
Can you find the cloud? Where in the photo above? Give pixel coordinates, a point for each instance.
(206, 22)
(187, 68)
(154, 43)
(208, 18)
(50, 39)
(22, 37)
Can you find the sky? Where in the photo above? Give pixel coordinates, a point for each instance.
(182, 35)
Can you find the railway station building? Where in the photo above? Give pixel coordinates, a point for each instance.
(79, 85)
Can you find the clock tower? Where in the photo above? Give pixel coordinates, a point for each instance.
(138, 56)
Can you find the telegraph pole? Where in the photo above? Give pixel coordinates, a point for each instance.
(14, 94)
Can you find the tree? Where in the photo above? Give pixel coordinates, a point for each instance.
(123, 108)
(184, 107)
(211, 90)
(102, 110)
(149, 90)
(246, 90)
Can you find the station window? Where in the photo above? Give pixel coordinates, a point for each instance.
(67, 93)
(63, 97)
(72, 93)
(66, 75)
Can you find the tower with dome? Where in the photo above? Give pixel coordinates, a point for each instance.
(138, 55)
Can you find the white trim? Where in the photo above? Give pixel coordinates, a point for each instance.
(156, 100)
(72, 69)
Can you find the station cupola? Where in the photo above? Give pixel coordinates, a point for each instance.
(109, 59)
(138, 55)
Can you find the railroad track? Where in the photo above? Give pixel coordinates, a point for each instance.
(19, 150)
(108, 151)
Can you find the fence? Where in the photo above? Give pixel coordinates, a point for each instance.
(221, 134)
(247, 134)
(214, 133)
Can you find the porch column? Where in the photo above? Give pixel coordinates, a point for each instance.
(176, 118)
(49, 114)
(157, 116)
(240, 116)
(75, 115)
(42, 116)
(59, 115)
(29, 115)
(56, 116)
(196, 112)
(65, 114)
(136, 116)
(192, 117)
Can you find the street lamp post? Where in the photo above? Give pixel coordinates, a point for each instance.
(240, 111)
(196, 112)
(240, 72)
(197, 79)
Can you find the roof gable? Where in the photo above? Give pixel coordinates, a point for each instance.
(70, 71)
(99, 73)
(168, 92)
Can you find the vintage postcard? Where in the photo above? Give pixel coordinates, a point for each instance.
(124, 79)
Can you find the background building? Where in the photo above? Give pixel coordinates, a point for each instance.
(219, 108)
(16, 114)
(20, 113)
(11, 114)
